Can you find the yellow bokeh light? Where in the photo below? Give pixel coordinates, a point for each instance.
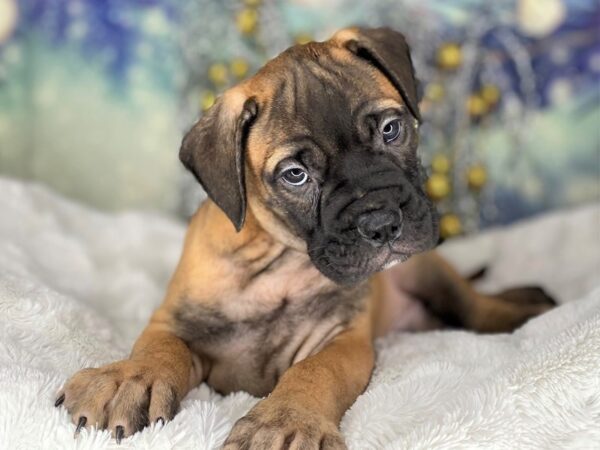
(437, 186)
(449, 56)
(247, 20)
(450, 225)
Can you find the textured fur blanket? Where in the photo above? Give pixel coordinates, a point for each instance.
(76, 287)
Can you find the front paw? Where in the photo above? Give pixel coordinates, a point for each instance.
(123, 397)
(274, 424)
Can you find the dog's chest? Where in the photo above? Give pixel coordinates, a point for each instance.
(254, 334)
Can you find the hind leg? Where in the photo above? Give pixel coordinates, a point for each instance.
(448, 296)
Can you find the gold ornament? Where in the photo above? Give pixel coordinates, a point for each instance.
(438, 186)
(476, 176)
(476, 105)
(435, 92)
(207, 100)
(440, 163)
(217, 73)
(239, 67)
(303, 38)
(449, 56)
(252, 3)
(490, 93)
(247, 20)
(450, 226)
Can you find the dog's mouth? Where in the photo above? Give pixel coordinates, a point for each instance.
(395, 258)
(358, 235)
(353, 270)
(352, 260)
(349, 264)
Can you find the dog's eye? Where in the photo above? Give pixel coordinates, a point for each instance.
(391, 130)
(295, 176)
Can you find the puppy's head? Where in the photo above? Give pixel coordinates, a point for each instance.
(321, 146)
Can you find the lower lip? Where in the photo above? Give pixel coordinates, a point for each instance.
(393, 262)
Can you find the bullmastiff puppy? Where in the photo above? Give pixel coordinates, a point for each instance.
(300, 257)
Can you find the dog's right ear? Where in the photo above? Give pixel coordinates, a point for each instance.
(214, 151)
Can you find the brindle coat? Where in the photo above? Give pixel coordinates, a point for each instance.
(272, 293)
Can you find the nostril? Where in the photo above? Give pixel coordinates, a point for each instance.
(395, 230)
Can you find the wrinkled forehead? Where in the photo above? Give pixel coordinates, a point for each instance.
(317, 90)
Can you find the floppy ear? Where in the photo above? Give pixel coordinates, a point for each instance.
(213, 150)
(388, 51)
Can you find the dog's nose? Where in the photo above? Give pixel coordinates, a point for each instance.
(380, 227)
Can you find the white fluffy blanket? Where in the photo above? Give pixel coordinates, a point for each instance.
(76, 287)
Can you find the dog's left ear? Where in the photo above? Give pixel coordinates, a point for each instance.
(388, 51)
(214, 151)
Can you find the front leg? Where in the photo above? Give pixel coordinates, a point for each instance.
(128, 395)
(306, 406)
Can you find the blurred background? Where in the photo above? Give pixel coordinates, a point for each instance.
(96, 94)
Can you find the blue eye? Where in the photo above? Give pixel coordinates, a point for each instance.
(295, 176)
(391, 130)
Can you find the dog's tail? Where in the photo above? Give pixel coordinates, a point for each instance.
(477, 275)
